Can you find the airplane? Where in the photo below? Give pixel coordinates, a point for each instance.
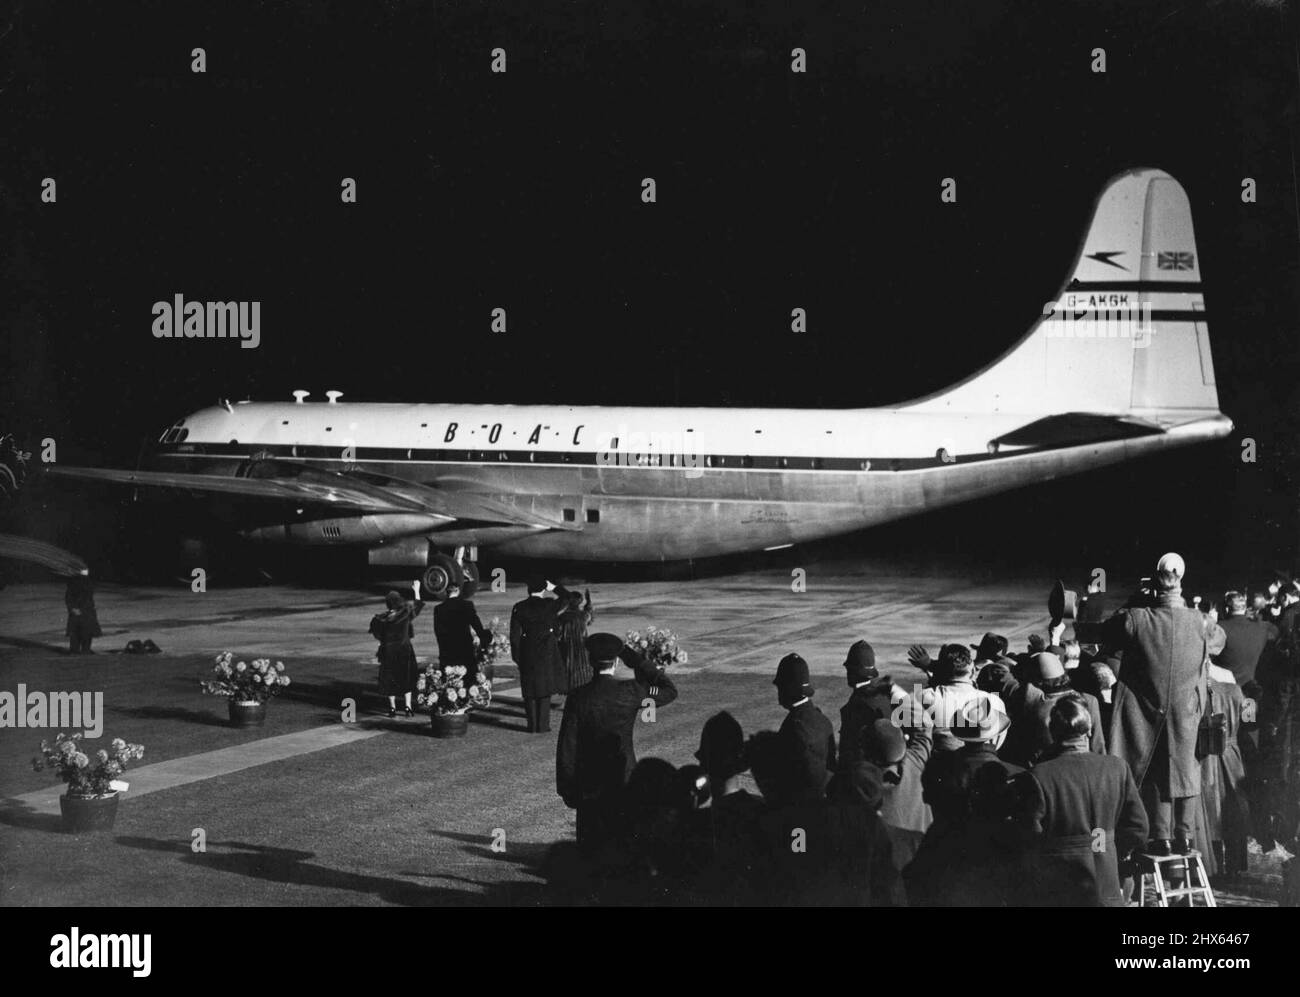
(1119, 366)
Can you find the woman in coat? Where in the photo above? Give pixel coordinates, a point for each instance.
(394, 628)
(574, 619)
(1224, 810)
(83, 621)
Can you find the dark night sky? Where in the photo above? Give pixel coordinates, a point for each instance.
(522, 191)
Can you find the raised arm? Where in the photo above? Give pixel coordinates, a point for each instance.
(654, 680)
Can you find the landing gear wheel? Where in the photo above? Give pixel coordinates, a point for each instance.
(470, 585)
(439, 575)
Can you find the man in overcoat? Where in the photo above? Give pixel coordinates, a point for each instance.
(595, 754)
(535, 649)
(869, 702)
(1084, 815)
(806, 737)
(1157, 702)
(83, 621)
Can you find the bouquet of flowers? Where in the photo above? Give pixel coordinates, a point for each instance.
(490, 654)
(441, 689)
(243, 682)
(658, 645)
(87, 776)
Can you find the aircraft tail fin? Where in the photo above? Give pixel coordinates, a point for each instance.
(1126, 335)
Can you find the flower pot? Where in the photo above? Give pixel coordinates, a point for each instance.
(247, 714)
(88, 813)
(450, 724)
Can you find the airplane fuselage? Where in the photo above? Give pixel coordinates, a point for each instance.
(644, 484)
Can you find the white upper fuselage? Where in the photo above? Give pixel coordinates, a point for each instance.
(650, 483)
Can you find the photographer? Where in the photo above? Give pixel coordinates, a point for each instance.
(1157, 701)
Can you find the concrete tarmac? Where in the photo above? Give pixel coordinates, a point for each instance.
(311, 811)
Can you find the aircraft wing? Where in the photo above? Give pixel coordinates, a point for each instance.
(57, 559)
(334, 491)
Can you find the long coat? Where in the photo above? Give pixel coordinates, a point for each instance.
(394, 628)
(1161, 691)
(1224, 809)
(595, 754)
(80, 595)
(807, 742)
(454, 624)
(1073, 795)
(867, 704)
(575, 666)
(534, 646)
(903, 810)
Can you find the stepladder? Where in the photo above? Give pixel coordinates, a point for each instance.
(1195, 883)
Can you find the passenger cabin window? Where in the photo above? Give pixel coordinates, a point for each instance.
(570, 515)
(593, 515)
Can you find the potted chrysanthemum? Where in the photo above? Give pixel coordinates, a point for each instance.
(659, 645)
(90, 803)
(497, 649)
(247, 685)
(442, 689)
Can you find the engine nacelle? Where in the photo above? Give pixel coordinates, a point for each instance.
(368, 530)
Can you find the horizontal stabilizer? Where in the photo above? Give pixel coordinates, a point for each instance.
(1077, 429)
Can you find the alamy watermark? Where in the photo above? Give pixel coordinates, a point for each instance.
(53, 710)
(1115, 315)
(181, 319)
(632, 448)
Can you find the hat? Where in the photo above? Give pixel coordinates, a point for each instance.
(722, 746)
(535, 583)
(860, 783)
(993, 676)
(991, 646)
(792, 675)
(883, 743)
(1172, 564)
(979, 721)
(603, 647)
(393, 600)
(1048, 666)
(861, 662)
(1062, 604)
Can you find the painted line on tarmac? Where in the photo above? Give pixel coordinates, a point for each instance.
(223, 761)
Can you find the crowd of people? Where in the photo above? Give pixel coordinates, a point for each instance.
(1046, 776)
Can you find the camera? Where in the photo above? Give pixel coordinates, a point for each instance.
(1145, 594)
